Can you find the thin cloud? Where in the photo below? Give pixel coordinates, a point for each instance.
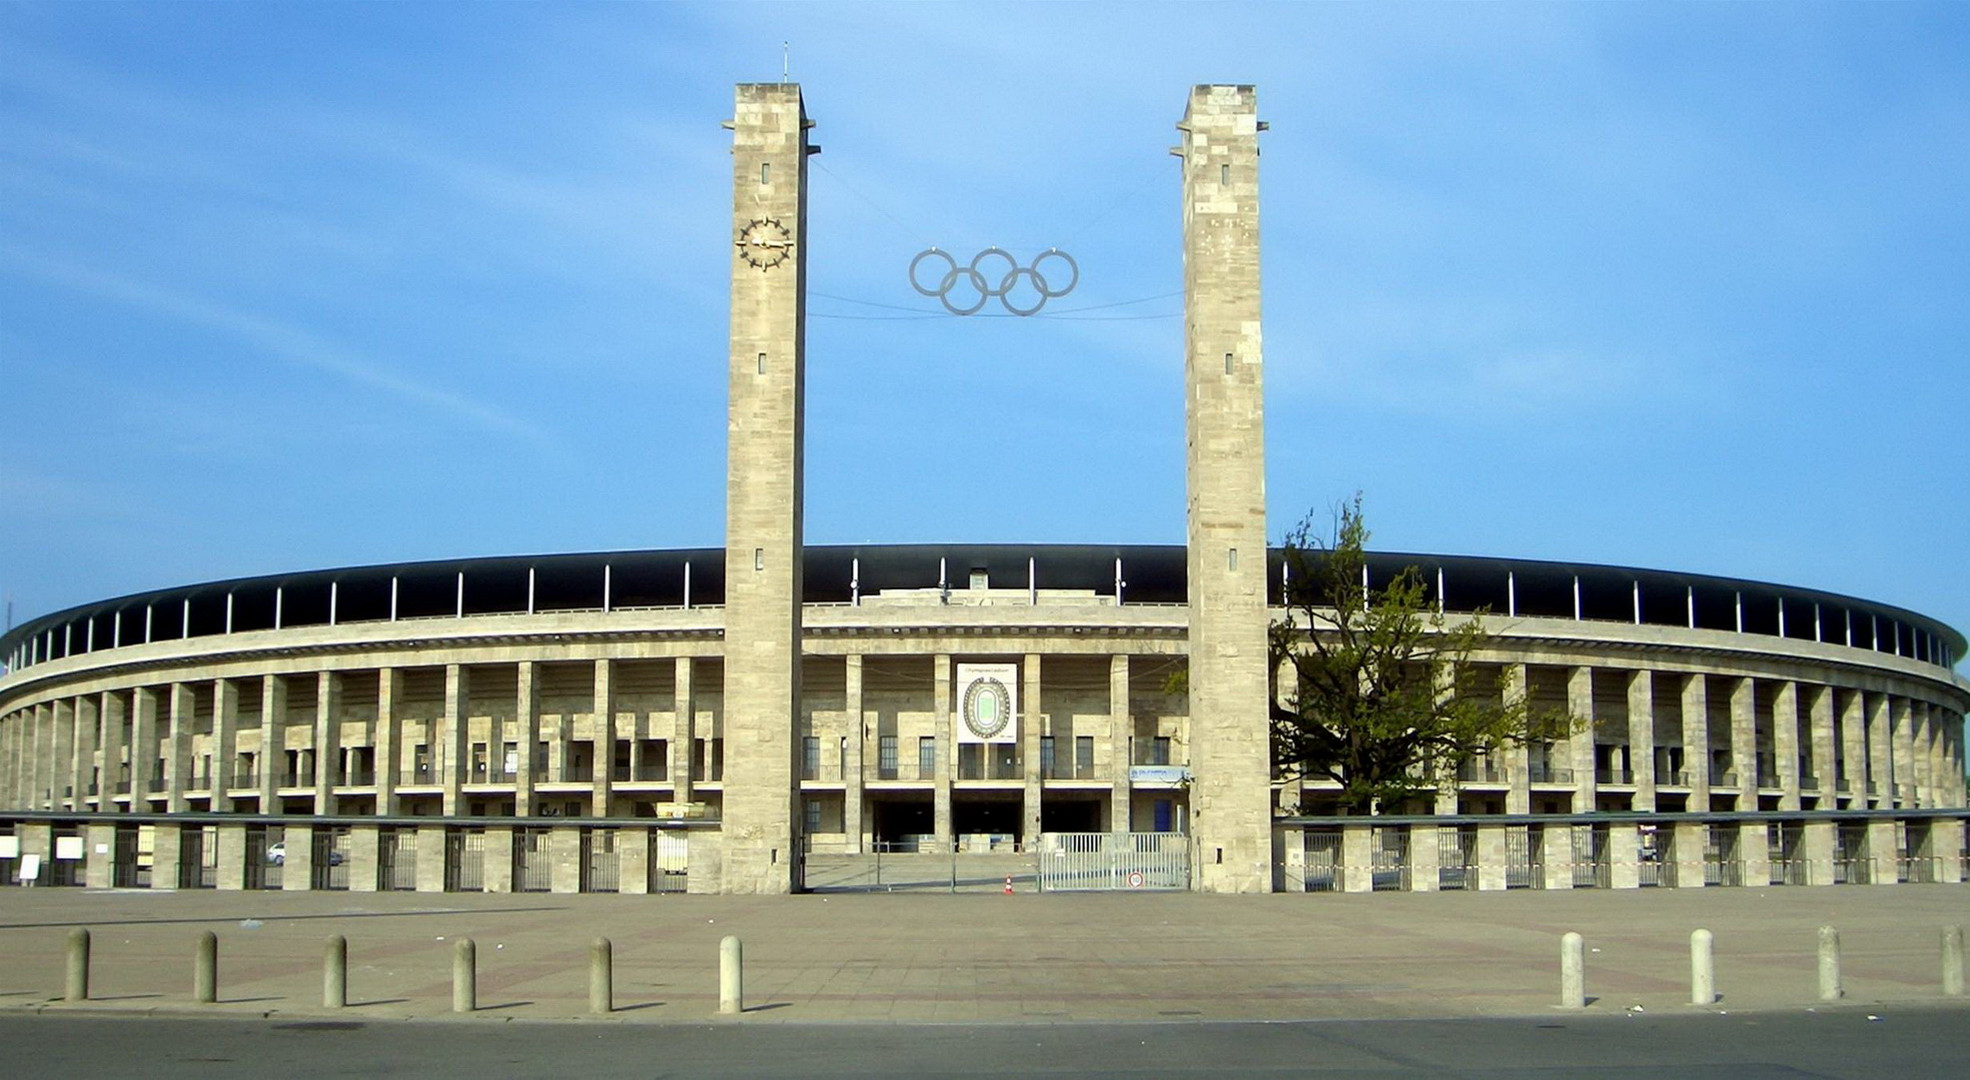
(275, 338)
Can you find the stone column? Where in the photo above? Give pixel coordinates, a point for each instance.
(1754, 853)
(1641, 737)
(853, 775)
(1518, 756)
(365, 857)
(1880, 757)
(1357, 858)
(1691, 839)
(1881, 851)
(1946, 836)
(685, 730)
(1624, 843)
(1556, 854)
(9, 788)
(764, 482)
(1121, 724)
(1230, 688)
(1029, 748)
(1817, 842)
(1744, 741)
(88, 729)
(1695, 706)
(298, 866)
(225, 742)
(99, 849)
(1491, 857)
(328, 739)
(526, 713)
(564, 859)
(143, 746)
(940, 668)
(602, 793)
(165, 856)
(1580, 705)
(114, 716)
(178, 759)
(62, 792)
(1902, 735)
(1853, 746)
(389, 740)
(457, 745)
(1819, 710)
(1425, 858)
(431, 858)
(499, 859)
(1919, 759)
(633, 860)
(273, 739)
(1785, 743)
(231, 875)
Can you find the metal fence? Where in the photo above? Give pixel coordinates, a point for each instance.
(1591, 866)
(533, 867)
(1851, 863)
(1721, 865)
(396, 860)
(266, 860)
(1457, 863)
(1525, 861)
(1787, 846)
(601, 863)
(198, 858)
(1323, 860)
(465, 860)
(1388, 859)
(331, 858)
(1119, 861)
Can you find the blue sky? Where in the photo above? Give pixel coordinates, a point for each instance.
(293, 286)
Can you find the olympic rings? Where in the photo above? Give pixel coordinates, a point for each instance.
(977, 287)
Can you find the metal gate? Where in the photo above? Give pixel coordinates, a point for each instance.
(601, 866)
(198, 857)
(265, 869)
(1525, 858)
(669, 861)
(1591, 869)
(330, 865)
(465, 860)
(1720, 861)
(128, 874)
(1121, 861)
(396, 860)
(533, 866)
(1323, 860)
(1456, 850)
(1786, 853)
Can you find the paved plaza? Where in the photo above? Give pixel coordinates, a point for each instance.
(1026, 958)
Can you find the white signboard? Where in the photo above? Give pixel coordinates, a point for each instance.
(30, 868)
(68, 847)
(10, 847)
(988, 703)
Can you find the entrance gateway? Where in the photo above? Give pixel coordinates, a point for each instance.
(990, 729)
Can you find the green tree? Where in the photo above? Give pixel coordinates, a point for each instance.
(1372, 675)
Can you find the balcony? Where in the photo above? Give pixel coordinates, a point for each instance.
(1540, 772)
(1679, 778)
(1069, 770)
(1722, 777)
(1614, 776)
(1481, 771)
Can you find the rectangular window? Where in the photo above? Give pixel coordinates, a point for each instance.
(619, 763)
(810, 758)
(479, 761)
(926, 757)
(1159, 750)
(1231, 562)
(420, 756)
(759, 558)
(1224, 174)
(811, 811)
(1165, 812)
(1046, 756)
(886, 758)
(762, 363)
(1227, 363)
(765, 172)
(980, 579)
(1083, 755)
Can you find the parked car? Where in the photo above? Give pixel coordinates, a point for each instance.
(277, 855)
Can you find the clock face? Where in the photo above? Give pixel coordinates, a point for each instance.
(764, 243)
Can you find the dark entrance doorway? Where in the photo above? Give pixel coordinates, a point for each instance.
(1070, 815)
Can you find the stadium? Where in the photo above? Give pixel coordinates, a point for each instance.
(771, 716)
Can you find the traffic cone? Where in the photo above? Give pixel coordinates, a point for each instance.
(1008, 884)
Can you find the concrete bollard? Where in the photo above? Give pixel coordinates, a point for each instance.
(601, 976)
(731, 973)
(1573, 972)
(1703, 968)
(464, 976)
(1953, 961)
(335, 972)
(1829, 964)
(205, 969)
(76, 987)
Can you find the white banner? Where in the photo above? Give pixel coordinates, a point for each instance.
(988, 703)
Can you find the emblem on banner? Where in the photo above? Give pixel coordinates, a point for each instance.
(988, 710)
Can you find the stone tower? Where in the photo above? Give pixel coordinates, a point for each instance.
(763, 488)
(1230, 806)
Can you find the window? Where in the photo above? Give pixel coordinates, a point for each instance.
(420, 757)
(765, 172)
(811, 812)
(1084, 755)
(1046, 755)
(1159, 750)
(980, 579)
(926, 757)
(886, 758)
(810, 760)
(1165, 812)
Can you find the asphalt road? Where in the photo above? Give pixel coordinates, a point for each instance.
(1903, 1043)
